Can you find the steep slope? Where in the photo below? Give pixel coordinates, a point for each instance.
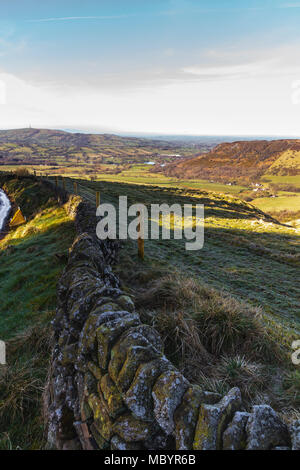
(32, 257)
(242, 159)
(288, 160)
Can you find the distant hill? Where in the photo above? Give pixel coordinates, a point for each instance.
(63, 138)
(57, 147)
(243, 159)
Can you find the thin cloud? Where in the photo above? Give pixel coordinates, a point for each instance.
(225, 72)
(79, 18)
(290, 5)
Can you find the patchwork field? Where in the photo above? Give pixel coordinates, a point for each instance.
(254, 170)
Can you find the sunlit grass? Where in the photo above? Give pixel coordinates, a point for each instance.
(32, 257)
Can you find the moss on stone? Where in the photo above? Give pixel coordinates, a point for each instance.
(186, 416)
(139, 396)
(95, 370)
(90, 384)
(101, 442)
(167, 395)
(102, 419)
(85, 410)
(108, 333)
(117, 443)
(203, 431)
(214, 418)
(136, 355)
(131, 429)
(142, 336)
(126, 303)
(112, 396)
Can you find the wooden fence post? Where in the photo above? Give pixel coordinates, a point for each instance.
(75, 187)
(64, 183)
(56, 181)
(97, 198)
(172, 223)
(141, 241)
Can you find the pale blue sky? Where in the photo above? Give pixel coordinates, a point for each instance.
(218, 66)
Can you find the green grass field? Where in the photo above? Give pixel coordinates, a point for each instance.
(32, 257)
(285, 199)
(141, 174)
(295, 180)
(145, 177)
(137, 174)
(239, 240)
(280, 203)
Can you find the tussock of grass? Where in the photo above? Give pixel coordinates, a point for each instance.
(36, 338)
(253, 379)
(217, 341)
(20, 390)
(21, 387)
(237, 371)
(291, 387)
(223, 324)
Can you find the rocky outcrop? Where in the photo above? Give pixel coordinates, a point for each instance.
(110, 385)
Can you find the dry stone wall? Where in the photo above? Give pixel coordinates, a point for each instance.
(110, 385)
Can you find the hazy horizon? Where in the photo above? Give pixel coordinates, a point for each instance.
(157, 135)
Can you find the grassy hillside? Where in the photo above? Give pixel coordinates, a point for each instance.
(57, 137)
(242, 161)
(240, 240)
(59, 148)
(32, 258)
(286, 161)
(267, 173)
(228, 313)
(280, 203)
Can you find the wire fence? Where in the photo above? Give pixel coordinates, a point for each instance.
(93, 197)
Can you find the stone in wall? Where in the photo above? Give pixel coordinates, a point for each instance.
(213, 420)
(235, 436)
(265, 430)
